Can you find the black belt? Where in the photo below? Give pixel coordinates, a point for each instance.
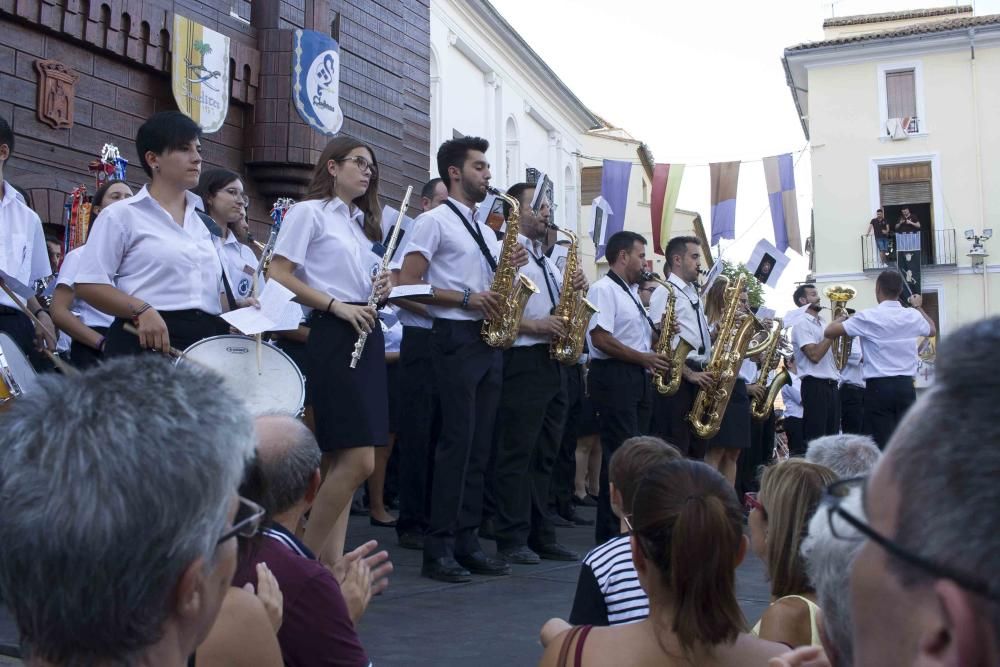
(537, 347)
(832, 383)
(891, 378)
(457, 324)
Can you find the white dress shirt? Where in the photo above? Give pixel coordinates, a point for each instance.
(619, 316)
(791, 396)
(393, 335)
(808, 330)
(888, 334)
(559, 254)
(67, 276)
(407, 317)
(23, 254)
(453, 256)
(239, 263)
(748, 371)
(852, 372)
(548, 278)
(690, 317)
(328, 246)
(138, 248)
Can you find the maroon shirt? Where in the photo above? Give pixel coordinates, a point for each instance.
(316, 628)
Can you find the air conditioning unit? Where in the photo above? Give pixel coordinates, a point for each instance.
(897, 129)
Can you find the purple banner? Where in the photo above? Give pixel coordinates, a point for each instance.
(614, 188)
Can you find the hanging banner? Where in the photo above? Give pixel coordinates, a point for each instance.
(599, 215)
(779, 174)
(200, 73)
(725, 176)
(615, 176)
(316, 81)
(666, 187)
(909, 263)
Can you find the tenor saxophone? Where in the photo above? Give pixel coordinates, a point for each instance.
(777, 349)
(839, 295)
(735, 331)
(514, 289)
(668, 386)
(573, 308)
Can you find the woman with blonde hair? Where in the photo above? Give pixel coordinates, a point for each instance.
(790, 492)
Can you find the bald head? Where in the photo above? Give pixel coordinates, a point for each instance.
(287, 459)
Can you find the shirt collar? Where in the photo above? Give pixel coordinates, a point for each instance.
(463, 209)
(230, 239)
(677, 281)
(286, 536)
(9, 194)
(890, 303)
(144, 198)
(357, 215)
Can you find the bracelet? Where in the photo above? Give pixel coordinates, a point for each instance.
(142, 309)
(330, 305)
(465, 298)
(40, 310)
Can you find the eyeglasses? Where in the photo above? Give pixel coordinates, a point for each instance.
(751, 503)
(247, 521)
(833, 499)
(238, 195)
(362, 163)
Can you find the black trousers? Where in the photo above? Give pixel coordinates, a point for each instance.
(18, 326)
(84, 356)
(760, 454)
(622, 395)
(820, 408)
(852, 408)
(563, 484)
(793, 430)
(670, 421)
(529, 431)
(185, 327)
(419, 428)
(886, 401)
(468, 374)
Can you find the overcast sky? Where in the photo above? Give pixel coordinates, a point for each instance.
(698, 82)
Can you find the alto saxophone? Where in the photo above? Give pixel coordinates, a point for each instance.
(668, 322)
(573, 308)
(839, 295)
(735, 331)
(514, 289)
(776, 350)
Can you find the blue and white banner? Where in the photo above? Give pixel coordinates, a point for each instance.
(316, 81)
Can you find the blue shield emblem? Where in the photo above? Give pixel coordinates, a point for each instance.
(244, 287)
(316, 81)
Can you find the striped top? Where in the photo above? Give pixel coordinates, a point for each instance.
(608, 580)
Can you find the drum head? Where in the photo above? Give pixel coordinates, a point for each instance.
(17, 365)
(276, 385)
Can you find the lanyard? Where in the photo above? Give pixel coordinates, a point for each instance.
(477, 235)
(552, 287)
(696, 305)
(642, 311)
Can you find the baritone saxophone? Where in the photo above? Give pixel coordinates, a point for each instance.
(777, 349)
(574, 308)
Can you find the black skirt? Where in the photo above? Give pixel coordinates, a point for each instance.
(185, 328)
(734, 433)
(350, 405)
(83, 356)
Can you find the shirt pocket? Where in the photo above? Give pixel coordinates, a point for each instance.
(13, 252)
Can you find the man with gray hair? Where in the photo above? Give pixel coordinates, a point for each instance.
(118, 490)
(846, 454)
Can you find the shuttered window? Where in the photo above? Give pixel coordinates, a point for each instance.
(590, 184)
(900, 194)
(901, 94)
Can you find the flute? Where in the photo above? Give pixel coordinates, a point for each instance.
(359, 345)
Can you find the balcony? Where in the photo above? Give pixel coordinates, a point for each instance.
(938, 250)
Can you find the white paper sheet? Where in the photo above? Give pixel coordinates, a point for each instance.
(277, 312)
(411, 291)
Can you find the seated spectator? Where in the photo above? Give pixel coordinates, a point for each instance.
(319, 608)
(608, 590)
(924, 587)
(242, 616)
(845, 454)
(118, 527)
(687, 540)
(790, 492)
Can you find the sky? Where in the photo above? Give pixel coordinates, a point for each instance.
(698, 82)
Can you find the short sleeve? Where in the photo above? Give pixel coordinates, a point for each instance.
(296, 233)
(857, 324)
(70, 267)
(605, 303)
(921, 324)
(40, 266)
(658, 303)
(425, 237)
(105, 248)
(589, 605)
(800, 336)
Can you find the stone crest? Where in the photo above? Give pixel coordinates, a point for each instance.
(56, 93)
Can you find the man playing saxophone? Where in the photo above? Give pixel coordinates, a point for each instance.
(533, 404)
(458, 257)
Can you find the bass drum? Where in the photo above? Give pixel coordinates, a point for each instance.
(17, 377)
(276, 385)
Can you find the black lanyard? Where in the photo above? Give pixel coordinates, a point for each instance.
(642, 311)
(551, 284)
(695, 305)
(477, 235)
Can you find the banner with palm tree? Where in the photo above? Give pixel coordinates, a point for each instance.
(200, 73)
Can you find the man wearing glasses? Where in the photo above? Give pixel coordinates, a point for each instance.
(119, 511)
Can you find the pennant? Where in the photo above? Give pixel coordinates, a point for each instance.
(725, 176)
(200, 73)
(614, 188)
(779, 173)
(767, 263)
(600, 213)
(316, 81)
(666, 187)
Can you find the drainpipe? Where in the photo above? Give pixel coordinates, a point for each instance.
(979, 160)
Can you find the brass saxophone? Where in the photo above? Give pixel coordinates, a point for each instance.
(778, 348)
(735, 331)
(514, 288)
(573, 308)
(664, 385)
(839, 295)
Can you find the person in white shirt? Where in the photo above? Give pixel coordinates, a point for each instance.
(791, 396)
(87, 326)
(324, 255)
(683, 259)
(457, 256)
(23, 256)
(888, 334)
(852, 391)
(819, 373)
(151, 261)
(621, 338)
(533, 405)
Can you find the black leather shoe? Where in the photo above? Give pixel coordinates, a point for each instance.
(559, 521)
(480, 563)
(381, 524)
(519, 556)
(555, 551)
(584, 501)
(412, 541)
(445, 569)
(573, 519)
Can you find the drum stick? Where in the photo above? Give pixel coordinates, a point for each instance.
(60, 365)
(173, 351)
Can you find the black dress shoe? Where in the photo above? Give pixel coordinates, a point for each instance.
(445, 569)
(573, 519)
(584, 501)
(382, 524)
(480, 563)
(555, 551)
(519, 556)
(412, 541)
(559, 521)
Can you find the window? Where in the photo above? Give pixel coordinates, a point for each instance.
(901, 97)
(590, 184)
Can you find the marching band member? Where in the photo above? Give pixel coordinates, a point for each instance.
(621, 336)
(791, 396)
(324, 256)
(457, 255)
(23, 256)
(852, 392)
(90, 329)
(819, 374)
(888, 334)
(533, 405)
(225, 202)
(151, 262)
(392, 330)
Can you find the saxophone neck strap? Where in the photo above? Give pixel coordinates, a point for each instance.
(551, 284)
(476, 233)
(618, 280)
